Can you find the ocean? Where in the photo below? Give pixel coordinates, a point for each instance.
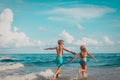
(33, 66)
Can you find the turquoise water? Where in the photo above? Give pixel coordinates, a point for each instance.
(32, 65)
(48, 60)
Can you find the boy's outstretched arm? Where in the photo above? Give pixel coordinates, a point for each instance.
(69, 51)
(92, 56)
(50, 48)
(75, 57)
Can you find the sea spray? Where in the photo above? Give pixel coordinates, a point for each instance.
(11, 66)
(48, 73)
(21, 77)
(36, 66)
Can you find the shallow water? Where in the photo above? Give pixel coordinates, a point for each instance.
(43, 66)
(67, 73)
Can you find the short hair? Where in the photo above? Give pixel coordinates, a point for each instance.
(60, 41)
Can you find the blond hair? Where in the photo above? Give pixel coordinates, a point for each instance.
(60, 41)
(83, 48)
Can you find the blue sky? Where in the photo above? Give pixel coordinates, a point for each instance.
(29, 26)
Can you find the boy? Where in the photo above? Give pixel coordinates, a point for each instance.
(59, 59)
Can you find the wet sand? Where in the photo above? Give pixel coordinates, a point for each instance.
(92, 74)
(68, 74)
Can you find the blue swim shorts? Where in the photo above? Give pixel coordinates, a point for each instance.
(59, 61)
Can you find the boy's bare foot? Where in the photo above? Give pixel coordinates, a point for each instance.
(57, 75)
(54, 77)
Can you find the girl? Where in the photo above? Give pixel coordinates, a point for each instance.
(83, 59)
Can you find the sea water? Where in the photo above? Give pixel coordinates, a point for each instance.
(33, 66)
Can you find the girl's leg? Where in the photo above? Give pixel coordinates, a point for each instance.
(79, 70)
(84, 69)
(57, 72)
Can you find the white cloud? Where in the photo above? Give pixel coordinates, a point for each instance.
(87, 41)
(42, 29)
(118, 42)
(84, 12)
(20, 39)
(38, 43)
(55, 18)
(10, 38)
(80, 27)
(68, 37)
(20, 1)
(15, 29)
(6, 18)
(107, 40)
(73, 15)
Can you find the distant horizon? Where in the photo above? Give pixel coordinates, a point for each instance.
(55, 53)
(32, 25)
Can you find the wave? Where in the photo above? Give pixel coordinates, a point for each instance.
(8, 59)
(11, 66)
(42, 62)
(47, 74)
(20, 77)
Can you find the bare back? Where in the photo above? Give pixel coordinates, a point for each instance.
(59, 51)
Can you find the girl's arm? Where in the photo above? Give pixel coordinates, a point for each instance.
(50, 48)
(69, 51)
(75, 57)
(92, 56)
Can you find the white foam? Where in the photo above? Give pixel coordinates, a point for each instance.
(21, 77)
(7, 58)
(47, 73)
(11, 66)
(4, 57)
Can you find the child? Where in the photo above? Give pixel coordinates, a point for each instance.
(83, 60)
(59, 59)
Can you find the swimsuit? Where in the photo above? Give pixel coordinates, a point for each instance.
(59, 61)
(82, 62)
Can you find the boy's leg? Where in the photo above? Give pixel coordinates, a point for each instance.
(57, 72)
(57, 75)
(59, 61)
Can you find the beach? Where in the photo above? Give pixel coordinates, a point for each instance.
(43, 67)
(66, 74)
